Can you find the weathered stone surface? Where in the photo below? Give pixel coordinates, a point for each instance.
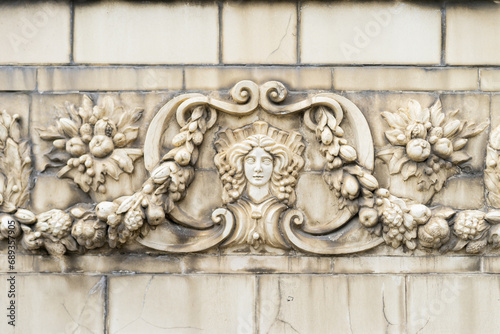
(108, 78)
(405, 264)
(470, 34)
(371, 33)
(17, 78)
(56, 304)
(490, 80)
(413, 79)
(447, 303)
(156, 33)
(342, 304)
(35, 33)
(211, 78)
(262, 33)
(188, 304)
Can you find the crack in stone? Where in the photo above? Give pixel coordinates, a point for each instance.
(282, 38)
(421, 328)
(142, 309)
(349, 306)
(278, 318)
(383, 311)
(76, 322)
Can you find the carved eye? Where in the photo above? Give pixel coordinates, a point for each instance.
(250, 160)
(267, 161)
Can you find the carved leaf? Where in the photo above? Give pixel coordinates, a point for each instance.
(437, 116)
(395, 164)
(124, 160)
(86, 110)
(395, 121)
(130, 117)
(409, 170)
(459, 157)
(392, 137)
(472, 130)
(49, 134)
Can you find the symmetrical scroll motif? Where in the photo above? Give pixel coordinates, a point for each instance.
(260, 164)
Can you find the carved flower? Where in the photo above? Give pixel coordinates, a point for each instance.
(427, 144)
(94, 140)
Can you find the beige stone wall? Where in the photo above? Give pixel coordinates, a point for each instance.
(378, 54)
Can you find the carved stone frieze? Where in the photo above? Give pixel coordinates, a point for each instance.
(238, 173)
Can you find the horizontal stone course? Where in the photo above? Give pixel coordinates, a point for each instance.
(108, 78)
(412, 79)
(214, 78)
(490, 80)
(234, 264)
(17, 78)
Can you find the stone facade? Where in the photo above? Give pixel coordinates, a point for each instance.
(249, 167)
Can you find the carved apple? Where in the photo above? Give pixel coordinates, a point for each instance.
(418, 149)
(75, 147)
(443, 148)
(101, 146)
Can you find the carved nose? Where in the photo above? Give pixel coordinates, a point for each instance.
(258, 167)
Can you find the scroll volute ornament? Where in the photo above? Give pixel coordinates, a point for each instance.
(259, 165)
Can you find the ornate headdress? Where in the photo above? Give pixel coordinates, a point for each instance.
(229, 137)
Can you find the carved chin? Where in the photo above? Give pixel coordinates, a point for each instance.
(101, 146)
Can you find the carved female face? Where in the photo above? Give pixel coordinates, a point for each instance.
(258, 166)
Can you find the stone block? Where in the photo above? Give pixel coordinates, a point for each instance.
(34, 33)
(370, 33)
(262, 33)
(413, 79)
(140, 33)
(56, 304)
(461, 193)
(331, 304)
(181, 304)
(405, 264)
(17, 78)
(490, 80)
(471, 33)
(256, 264)
(108, 78)
(304, 78)
(453, 304)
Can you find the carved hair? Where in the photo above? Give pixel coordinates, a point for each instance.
(286, 165)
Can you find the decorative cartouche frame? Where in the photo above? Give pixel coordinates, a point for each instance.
(259, 166)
